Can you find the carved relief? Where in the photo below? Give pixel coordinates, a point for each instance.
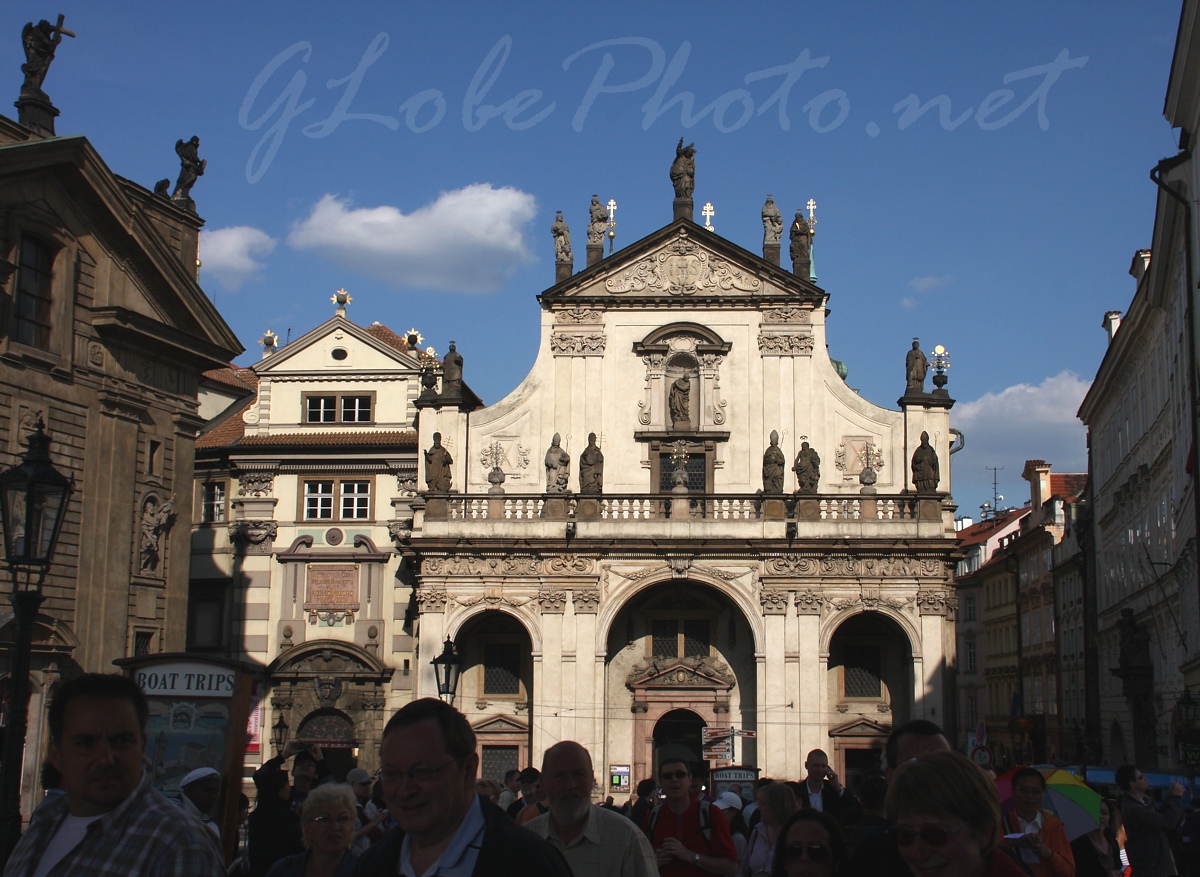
(786, 315)
(581, 345)
(255, 483)
(809, 602)
(679, 563)
(774, 602)
(509, 565)
(255, 537)
(785, 345)
(585, 601)
(400, 531)
(681, 268)
(95, 354)
(870, 602)
(568, 563)
(855, 453)
(845, 566)
(552, 601)
(431, 600)
(695, 672)
(579, 315)
(936, 601)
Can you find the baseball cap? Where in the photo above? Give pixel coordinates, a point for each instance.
(725, 800)
(200, 773)
(358, 775)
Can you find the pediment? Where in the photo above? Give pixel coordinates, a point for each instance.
(310, 353)
(860, 727)
(683, 262)
(676, 673)
(499, 725)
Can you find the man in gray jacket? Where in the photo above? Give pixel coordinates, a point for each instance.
(1148, 828)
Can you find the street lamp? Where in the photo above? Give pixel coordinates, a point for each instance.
(279, 732)
(446, 667)
(33, 504)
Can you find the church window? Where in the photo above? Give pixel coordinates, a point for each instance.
(502, 668)
(863, 669)
(681, 638)
(31, 304)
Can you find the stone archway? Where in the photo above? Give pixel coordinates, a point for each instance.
(678, 734)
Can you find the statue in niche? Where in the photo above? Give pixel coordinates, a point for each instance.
(1133, 645)
(916, 366)
(679, 402)
(591, 467)
(156, 519)
(774, 463)
(772, 221)
(191, 168)
(558, 467)
(683, 170)
(437, 466)
(801, 238)
(926, 473)
(597, 221)
(452, 366)
(562, 239)
(807, 469)
(40, 42)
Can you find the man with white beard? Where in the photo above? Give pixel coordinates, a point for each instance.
(594, 841)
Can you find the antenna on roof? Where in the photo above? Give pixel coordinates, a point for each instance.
(990, 509)
(289, 335)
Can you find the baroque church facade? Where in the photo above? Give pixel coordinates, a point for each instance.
(616, 554)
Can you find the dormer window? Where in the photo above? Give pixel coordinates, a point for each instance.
(346, 408)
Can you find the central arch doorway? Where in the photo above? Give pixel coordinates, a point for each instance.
(678, 734)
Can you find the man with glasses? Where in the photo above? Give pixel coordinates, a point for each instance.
(1147, 829)
(595, 841)
(690, 837)
(428, 766)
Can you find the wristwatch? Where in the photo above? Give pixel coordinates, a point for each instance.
(696, 858)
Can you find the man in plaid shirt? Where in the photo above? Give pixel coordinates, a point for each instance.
(111, 820)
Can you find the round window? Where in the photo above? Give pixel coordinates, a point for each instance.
(339, 353)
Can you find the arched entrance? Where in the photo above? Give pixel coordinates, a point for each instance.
(678, 734)
(333, 731)
(869, 684)
(681, 655)
(496, 690)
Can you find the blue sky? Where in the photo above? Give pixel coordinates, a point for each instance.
(1001, 222)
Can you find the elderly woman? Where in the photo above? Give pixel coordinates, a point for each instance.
(776, 804)
(946, 819)
(328, 820)
(811, 844)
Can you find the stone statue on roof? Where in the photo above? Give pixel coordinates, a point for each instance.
(597, 221)
(191, 168)
(772, 221)
(562, 239)
(452, 366)
(40, 42)
(683, 170)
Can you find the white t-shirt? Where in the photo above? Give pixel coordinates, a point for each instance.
(70, 832)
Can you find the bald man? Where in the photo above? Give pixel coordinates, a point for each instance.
(594, 841)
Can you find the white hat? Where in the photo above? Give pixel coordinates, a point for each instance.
(200, 773)
(725, 800)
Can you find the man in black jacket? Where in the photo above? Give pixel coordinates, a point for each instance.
(428, 768)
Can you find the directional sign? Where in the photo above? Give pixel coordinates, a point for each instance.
(713, 753)
(707, 735)
(739, 732)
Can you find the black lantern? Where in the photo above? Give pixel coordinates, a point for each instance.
(33, 504)
(446, 667)
(279, 732)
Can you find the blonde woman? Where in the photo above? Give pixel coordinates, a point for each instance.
(327, 822)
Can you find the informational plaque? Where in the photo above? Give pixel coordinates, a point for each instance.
(331, 592)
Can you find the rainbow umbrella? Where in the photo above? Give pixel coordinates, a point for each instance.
(1067, 797)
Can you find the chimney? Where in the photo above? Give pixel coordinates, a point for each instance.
(1037, 473)
(1111, 322)
(1139, 265)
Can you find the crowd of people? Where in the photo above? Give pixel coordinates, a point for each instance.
(931, 812)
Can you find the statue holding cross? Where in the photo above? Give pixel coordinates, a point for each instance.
(40, 41)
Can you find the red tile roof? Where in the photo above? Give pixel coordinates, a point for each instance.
(983, 530)
(353, 439)
(1067, 484)
(238, 378)
(227, 431)
(388, 337)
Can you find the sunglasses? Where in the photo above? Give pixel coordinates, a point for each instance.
(930, 835)
(678, 775)
(818, 854)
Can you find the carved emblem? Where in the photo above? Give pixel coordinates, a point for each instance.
(870, 602)
(584, 345)
(256, 537)
(579, 315)
(400, 531)
(694, 672)
(786, 315)
(552, 601)
(936, 602)
(809, 602)
(255, 483)
(563, 563)
(681, 268)
(329, 689)
(430, 600)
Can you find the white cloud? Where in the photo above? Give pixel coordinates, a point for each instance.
(908, 303)
(229, 254)
(925, 284)
(468, 240)
(1019, 423)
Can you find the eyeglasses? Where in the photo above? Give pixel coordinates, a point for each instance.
(328, 820)
(677, 775)
(817, 853)
(416, 775)
(930, 835)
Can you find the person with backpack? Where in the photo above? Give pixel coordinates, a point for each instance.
(690, 837)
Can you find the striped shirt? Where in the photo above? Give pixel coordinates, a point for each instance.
(143, 836)
(610, 845)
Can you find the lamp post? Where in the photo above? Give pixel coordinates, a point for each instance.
(33, 504)
(279, 732)
(446, 668)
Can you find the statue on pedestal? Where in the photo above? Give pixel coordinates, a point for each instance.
(772, 221)
(597, 222)
(915, 368)
(926, 473)
(807, 469)
(452, 366)
(801, 238)
(191, 168)
(591, 467)
(40, 42)
(683, 170)
(679, 401)
(558, 467)
(437, 466)
(773, 465)
(562, 239)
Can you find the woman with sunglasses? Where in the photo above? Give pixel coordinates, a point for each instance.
(328, 820)
(946, 819)
(810, 845)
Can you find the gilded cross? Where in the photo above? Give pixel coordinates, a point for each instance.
(612, 224)
(812, 212)
(708, 213)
